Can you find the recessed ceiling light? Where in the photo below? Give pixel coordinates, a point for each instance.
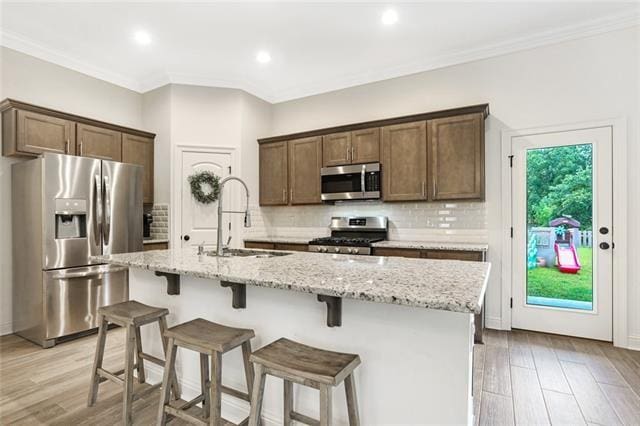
(389, 17)
(263, 57)
(142, 37)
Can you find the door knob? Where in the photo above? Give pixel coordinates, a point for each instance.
(604, 246)
(186, 238)
(604, 230)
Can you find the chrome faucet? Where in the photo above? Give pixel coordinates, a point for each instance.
(247, 216)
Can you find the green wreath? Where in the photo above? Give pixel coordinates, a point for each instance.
(197, 180)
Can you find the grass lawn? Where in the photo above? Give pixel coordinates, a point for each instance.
(550, 282)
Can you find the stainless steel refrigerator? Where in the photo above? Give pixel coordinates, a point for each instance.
(66, 209)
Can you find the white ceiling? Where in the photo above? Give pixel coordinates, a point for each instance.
(315, 47)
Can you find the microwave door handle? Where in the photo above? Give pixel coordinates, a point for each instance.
(97, 210)
(362, 176)
(107, 210)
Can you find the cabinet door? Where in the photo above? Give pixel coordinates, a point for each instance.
(139, 150)
(456, 158)
(396, 252)
(97, 142)
(336, 149)
(259, 245)
(365, 146)
(404, 162)
(305, 162)
(38, 133)
(292, 247)
(274, 171)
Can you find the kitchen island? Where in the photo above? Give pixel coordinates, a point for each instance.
(410, 320)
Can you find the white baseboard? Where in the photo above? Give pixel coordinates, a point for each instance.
(493, 322)
(634, 343)
(232, 408)
(6, 328)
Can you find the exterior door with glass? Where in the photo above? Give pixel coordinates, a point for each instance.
(562, 236)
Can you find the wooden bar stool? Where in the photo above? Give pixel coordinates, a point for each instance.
(209, 339)
(131, 315)
(309, 366)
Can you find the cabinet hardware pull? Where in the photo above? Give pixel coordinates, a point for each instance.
(348, 151)
(284, 195)
(434, 187)
(80, 147)
(291, 195)
(353, 153)
(424, 188)
(66, 146)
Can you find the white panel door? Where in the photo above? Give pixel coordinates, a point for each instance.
(199, 221)
(562, 233)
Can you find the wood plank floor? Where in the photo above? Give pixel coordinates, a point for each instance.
(528, 378)
(520, 378)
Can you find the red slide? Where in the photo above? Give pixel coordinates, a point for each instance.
(567, 257)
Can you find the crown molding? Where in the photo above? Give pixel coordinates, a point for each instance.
(25, 45)
(151, 82)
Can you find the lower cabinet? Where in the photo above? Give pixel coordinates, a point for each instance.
(474, 256)
(156, 246)
(275, 246)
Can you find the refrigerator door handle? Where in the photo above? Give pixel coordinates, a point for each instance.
(106, 231)
(98, 210)
(93, 273)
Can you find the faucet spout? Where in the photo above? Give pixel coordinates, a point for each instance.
(247, 215)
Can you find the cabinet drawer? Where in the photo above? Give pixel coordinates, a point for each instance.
(259, 245)
(291, 247)
(475, 256)
(156, 246)
(396, 252)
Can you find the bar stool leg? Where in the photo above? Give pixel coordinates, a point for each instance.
(169, 373)
(352, 400)
(204, 384)
(97, 361)
(248, 366)
(139, 361)
(162, 323)
(256, 396)
(215, 389)
(288, 401)
(128, 374)
(325, 405)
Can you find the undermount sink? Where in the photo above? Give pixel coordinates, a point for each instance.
(248, 253)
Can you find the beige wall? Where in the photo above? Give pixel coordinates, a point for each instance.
(589, 79)
(28, 79)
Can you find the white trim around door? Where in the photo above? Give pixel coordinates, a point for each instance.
(176, 185)
(620, 291)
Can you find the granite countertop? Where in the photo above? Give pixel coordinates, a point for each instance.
(449, 285)
(418, 245)
(433, 245)
(283, 240)
(155, 241)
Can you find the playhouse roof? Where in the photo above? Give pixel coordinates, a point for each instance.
(567, 221)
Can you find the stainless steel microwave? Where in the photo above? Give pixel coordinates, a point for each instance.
(352, 182)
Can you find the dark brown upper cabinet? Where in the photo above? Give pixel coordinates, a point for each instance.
(360, 146)
(97, 142)
(139, 150)
(305, 162)
(31, 133)
(336, 149)
(404, 162)
(274, 170)
(365, 146)
(456, 158)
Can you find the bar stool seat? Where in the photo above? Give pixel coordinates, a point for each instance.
(298, 363)
(210, 340)
(131, 315)
(209, 335)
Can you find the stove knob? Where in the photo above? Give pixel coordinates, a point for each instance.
(355, 251)
(324, 250)
(337, 249)
(350, 251)
(319, 249)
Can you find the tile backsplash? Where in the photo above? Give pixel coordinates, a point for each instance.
(160, 224)
(456, 221)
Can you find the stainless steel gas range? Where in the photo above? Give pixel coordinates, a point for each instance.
(351, 235)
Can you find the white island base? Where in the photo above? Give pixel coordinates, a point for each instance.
(416, 362)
